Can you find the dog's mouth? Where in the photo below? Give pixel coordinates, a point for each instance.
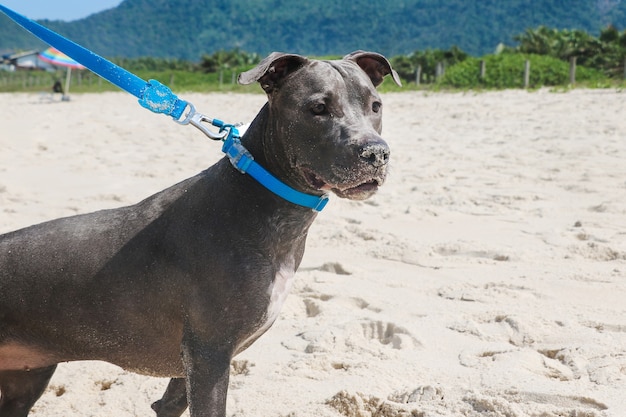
(353, 190)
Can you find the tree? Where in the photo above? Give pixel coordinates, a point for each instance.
(613, 59)
(606, 53)
(428, 59)
(561, 44)
(233, 59)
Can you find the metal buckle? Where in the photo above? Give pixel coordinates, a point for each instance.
(197, 119)
(239, 156)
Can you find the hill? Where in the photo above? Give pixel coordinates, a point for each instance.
(190, 28)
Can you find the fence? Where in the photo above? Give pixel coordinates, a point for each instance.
(86, 81)
(440, 70)
(41, 80)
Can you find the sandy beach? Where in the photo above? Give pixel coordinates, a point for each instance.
(487, 278)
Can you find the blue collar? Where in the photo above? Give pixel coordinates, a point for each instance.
(241, 159)
(158, 98)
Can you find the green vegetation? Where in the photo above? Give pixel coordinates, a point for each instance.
(606, 52)
(427, 61)
(507, 71)
(190, 29)
(200, 45)
(600, 62)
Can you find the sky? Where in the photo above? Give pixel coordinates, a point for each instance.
(58, 9)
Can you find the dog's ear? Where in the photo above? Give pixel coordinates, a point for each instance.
(272, 70)
(375, 66)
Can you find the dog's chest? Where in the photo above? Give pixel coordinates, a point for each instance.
(278, 292)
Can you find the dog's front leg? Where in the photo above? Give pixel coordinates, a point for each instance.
(174, 401)
(207, 371)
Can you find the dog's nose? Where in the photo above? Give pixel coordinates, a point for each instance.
(376, 154)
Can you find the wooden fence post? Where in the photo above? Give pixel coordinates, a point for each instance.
(527, 74)
(483, 69)
(439, 70)
(572, 70)
(418, 74)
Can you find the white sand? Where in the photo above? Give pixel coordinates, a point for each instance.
(487, 278)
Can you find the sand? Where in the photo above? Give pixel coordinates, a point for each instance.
(486, 278)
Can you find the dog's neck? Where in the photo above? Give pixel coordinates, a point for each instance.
(259, 139)
(291, 221)
(254, 137)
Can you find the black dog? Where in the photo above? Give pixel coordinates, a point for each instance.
(178, 284)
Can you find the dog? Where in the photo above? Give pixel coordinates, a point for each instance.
(178, 284)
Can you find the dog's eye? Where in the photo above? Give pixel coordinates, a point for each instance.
(376, 106)
(319, 109)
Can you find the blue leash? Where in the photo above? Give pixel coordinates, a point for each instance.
(158, 98)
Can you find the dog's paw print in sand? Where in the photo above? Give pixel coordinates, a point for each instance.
(431, 401)
(517, 348)
(592, 362)
(363, 305)
(378, 244)
(388, 334)
(472, 251)
(524, 361)
(394, 248)
(486, 292)
(314, 303)
(413, 403)
(500, 328)
(377, 335)
(601, 365)
(513, 342)
(513, 403)
(314, 306)
(388, 246)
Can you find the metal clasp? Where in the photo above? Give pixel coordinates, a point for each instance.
(198, 119)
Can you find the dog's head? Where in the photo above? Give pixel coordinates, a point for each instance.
(325, 121)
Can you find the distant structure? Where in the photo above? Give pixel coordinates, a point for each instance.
(29, 60)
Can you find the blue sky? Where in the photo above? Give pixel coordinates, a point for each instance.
(59, 9)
